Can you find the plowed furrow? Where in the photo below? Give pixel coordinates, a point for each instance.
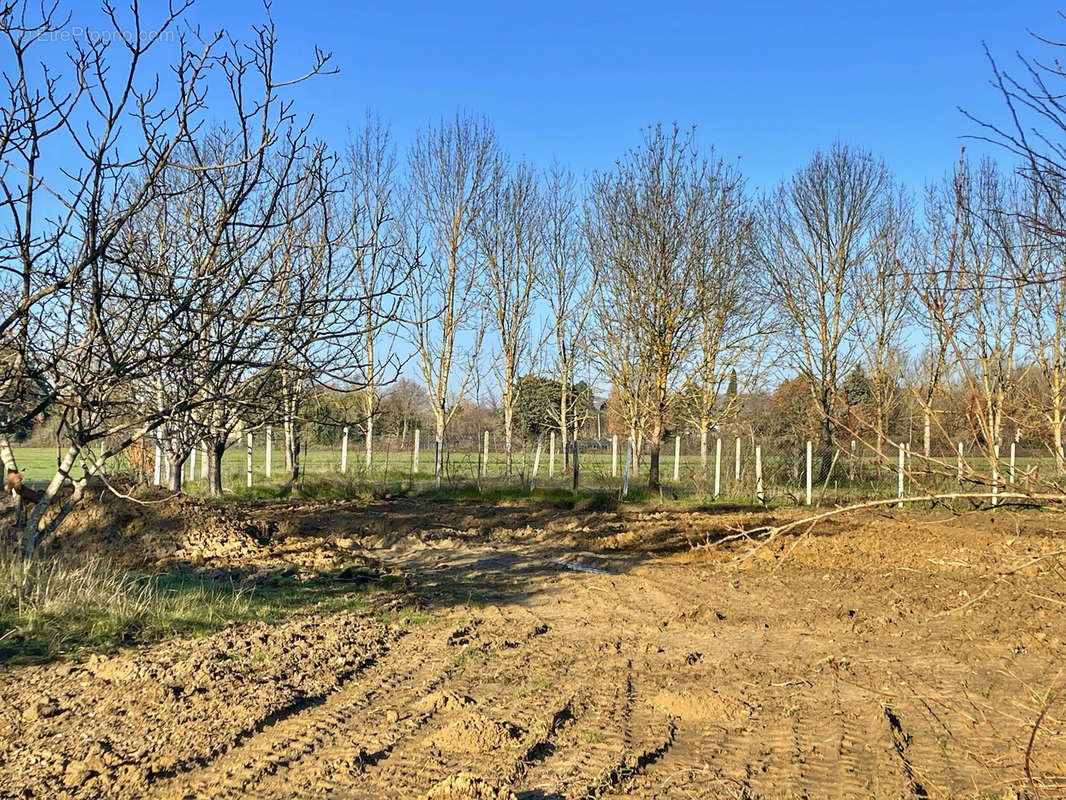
(492, 675)
(594, 745)
(366, 733)
(264, 761)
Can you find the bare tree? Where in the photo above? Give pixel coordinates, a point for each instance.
(454, 167)
(247, 280)
(373, 245)
(732, 314)
(987, 337)
(511, 237)
(1034, 134)
(1042, 328)
(650, 223)
(566, 283)
(67, 299)
(936, 299)
(817, 232)
(884, 303)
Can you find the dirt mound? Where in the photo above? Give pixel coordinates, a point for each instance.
(444, 701)
(474, 733)
(162, 533)
(468, 787)
(229, 541)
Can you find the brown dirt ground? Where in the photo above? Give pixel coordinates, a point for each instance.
(562, 654)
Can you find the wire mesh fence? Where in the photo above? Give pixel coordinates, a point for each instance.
(731, 466)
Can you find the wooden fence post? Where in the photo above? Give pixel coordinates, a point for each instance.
(995, 476)
(344, 450)
(269, 449)
(810, 460)
(717, 466)
(536, 463)
(414, 451)
(759, 493)
(677, 459)
(248, 471)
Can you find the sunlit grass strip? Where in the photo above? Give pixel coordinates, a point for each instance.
(52, 606)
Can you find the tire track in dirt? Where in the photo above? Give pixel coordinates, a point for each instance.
(477, 730)
(371, 739)
(773, 737)
(593, 742)
(611, 739)
(282, 746)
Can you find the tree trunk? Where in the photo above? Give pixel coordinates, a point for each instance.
(564, 428)
(508, 443)
(656, 447)
(880, 443)
(7, 455)
(703, 445)
(32, 527)
(369, 442)
(826, 445)
(1060, 458)
(926, 432)
(438, 456)
(174, 472)
(294, 456)
(1055, 381)
(214, 469)
(205, 460)
(289, 445)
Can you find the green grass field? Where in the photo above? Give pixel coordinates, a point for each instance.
(782, 479)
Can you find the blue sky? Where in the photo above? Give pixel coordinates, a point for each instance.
(764, 82)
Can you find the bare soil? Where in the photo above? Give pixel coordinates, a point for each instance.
(559, 654)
